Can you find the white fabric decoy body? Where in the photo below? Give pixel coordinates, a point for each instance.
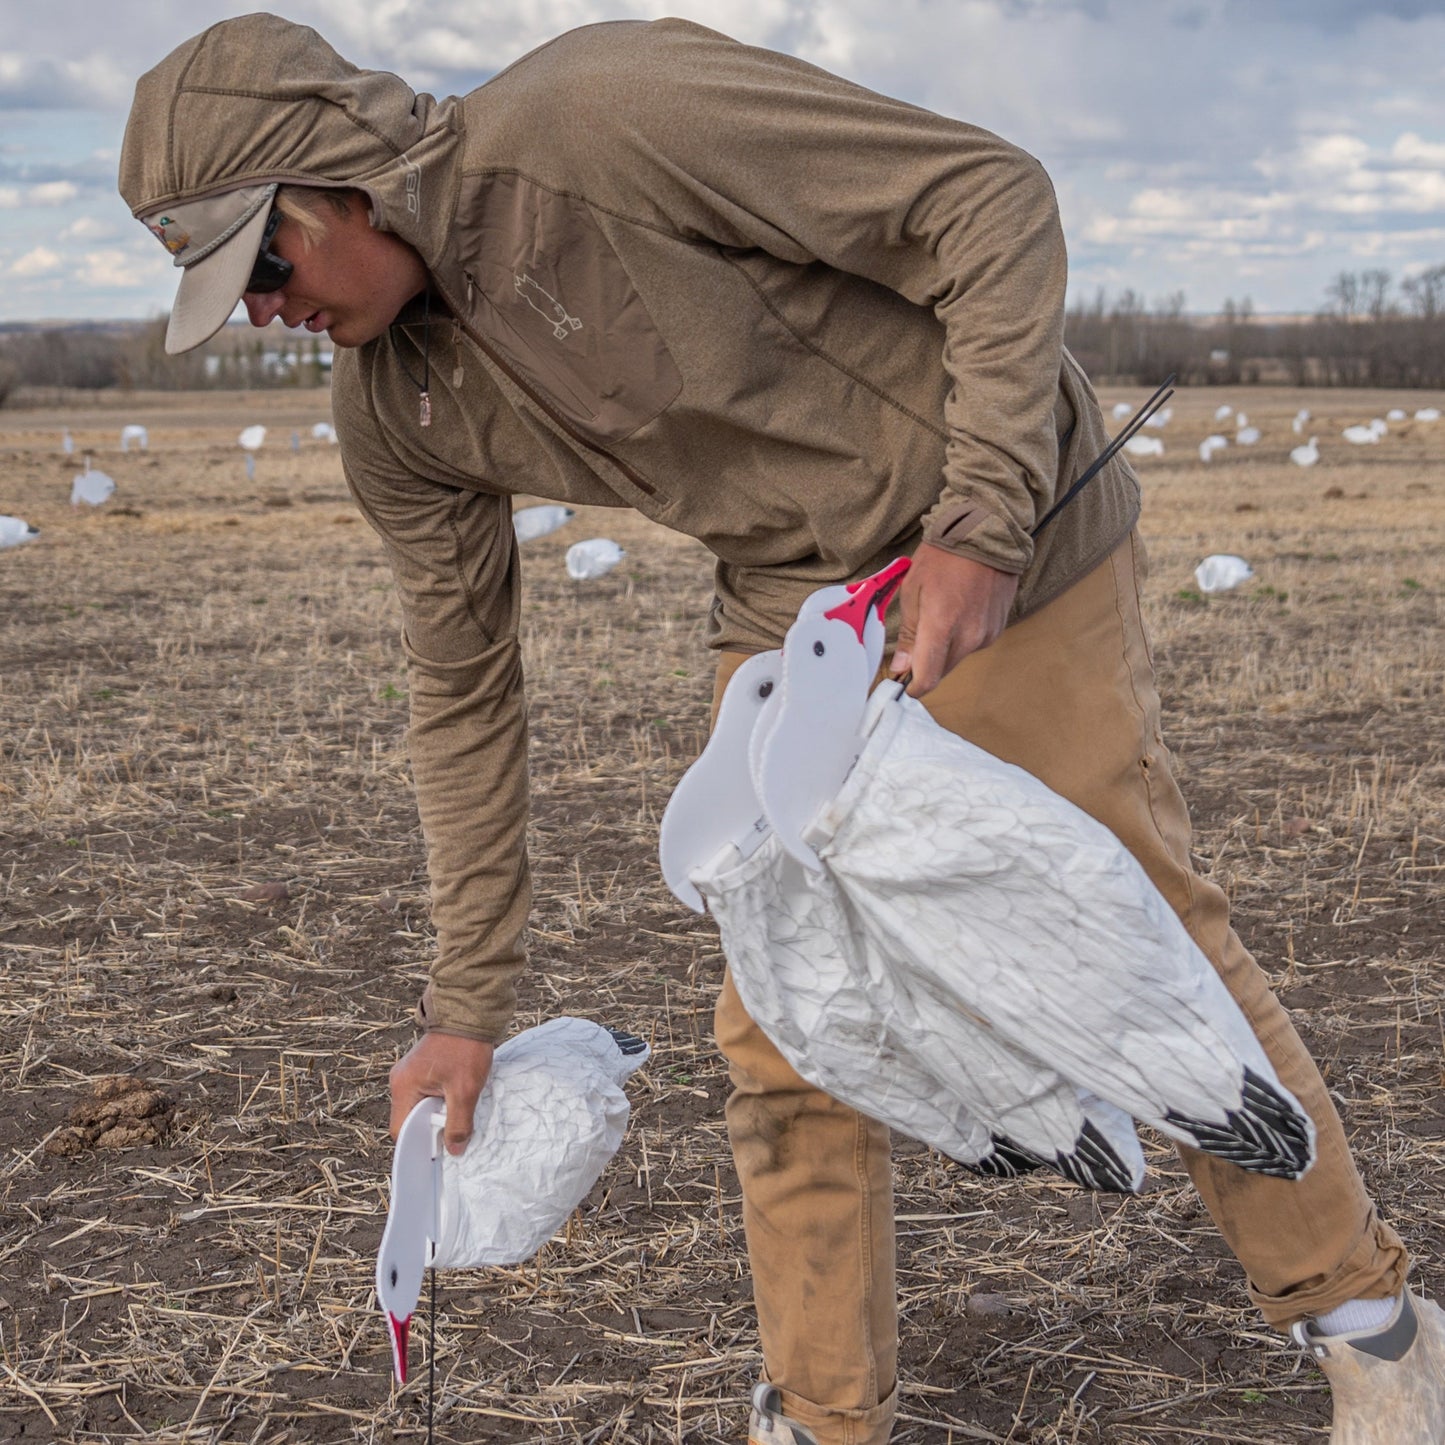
(15, 530)
(936, 938)
(92, 488)
(1144, 447)
(1307, 454)
(594, 558)
(529, 523)
(823, 988)
(1222, 572)
(551, 1116)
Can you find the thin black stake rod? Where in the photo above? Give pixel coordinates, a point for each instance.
(1165, 391)
(431, 1351)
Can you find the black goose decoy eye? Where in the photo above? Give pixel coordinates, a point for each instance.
(818, 649)
(766, 690)
(393, 1277)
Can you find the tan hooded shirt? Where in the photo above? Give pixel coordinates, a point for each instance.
(808, 325)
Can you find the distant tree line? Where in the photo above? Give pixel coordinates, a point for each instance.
(99, 356)
(1368, 333)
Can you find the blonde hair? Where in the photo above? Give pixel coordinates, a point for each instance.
(304, 205)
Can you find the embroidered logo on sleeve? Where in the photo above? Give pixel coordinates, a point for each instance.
(550, 307)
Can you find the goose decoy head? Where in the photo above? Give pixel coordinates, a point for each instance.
(412, 1223)
(715, 805)
(806, 743)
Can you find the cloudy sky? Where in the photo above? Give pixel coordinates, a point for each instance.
(1219, 148)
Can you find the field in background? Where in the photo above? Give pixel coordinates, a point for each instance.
(212, 888)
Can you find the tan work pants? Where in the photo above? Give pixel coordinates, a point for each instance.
(1069, 694)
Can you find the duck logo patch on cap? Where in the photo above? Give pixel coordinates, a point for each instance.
(170, 234)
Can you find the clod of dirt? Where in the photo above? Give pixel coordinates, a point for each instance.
(1333, 494)
(990, 1307)
(119, 1112)
(1297, 827)
(265, 893)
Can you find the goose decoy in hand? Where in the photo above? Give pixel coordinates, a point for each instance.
(1010, 926)
(816, 984)
(550, 1117)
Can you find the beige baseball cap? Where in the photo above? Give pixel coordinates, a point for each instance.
(215, 242)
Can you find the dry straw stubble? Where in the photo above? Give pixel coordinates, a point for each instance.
(213, 884)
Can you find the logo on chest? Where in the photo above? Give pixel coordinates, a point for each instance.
(546, 305)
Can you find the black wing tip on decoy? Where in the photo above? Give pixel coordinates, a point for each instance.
(1093, 1163)
(1267, 1135)
(627, 1044)
(1005, 1161)
(1096, 1164)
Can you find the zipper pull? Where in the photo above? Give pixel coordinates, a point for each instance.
(457, 372)
(426, 408)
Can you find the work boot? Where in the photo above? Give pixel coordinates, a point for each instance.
(766, 1425)
(1388, 1384)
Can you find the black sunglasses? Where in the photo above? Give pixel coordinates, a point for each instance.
(271, 272)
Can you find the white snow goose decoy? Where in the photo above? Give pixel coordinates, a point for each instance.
(941, 941)
(552, 1114)
(822, 989)
(1307, 454)
(15, 530)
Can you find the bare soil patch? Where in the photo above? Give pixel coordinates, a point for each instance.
(213, 924)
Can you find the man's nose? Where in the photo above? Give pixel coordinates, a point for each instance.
(263, 307)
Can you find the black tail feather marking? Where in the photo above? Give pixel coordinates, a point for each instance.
(1268, 1134)
(627, 1044)
(1093, 1163)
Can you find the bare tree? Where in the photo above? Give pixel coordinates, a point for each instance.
(1425, 293)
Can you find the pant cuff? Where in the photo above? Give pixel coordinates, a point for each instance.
(1375, 1269)
(843, 1427)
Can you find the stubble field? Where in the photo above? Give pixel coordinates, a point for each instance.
(213, 924)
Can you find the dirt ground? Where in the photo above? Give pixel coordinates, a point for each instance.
(213, 923)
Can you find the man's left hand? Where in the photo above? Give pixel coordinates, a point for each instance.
(951, 606)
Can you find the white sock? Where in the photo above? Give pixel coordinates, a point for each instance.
(1357, 1316)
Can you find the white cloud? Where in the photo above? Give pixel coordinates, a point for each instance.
(51, 82)
(1334, 154)
(87, 228)
(1410, 149)
(53, 193)
(113, 269)
(1192, 143)
(39, 262)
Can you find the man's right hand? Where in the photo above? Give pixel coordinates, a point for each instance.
(441, 1066)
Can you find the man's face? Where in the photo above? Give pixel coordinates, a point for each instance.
(350, 284)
